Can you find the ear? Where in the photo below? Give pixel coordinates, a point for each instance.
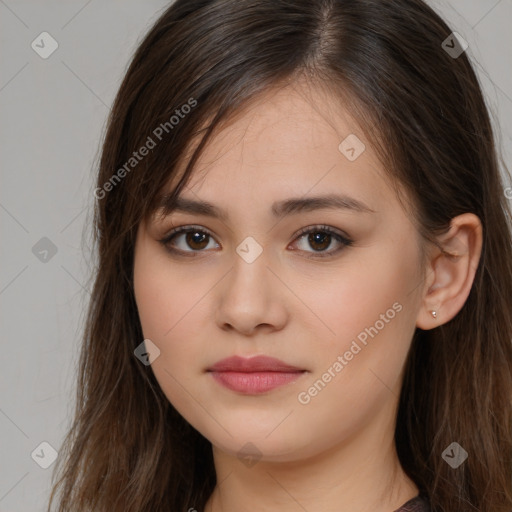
(451, 271)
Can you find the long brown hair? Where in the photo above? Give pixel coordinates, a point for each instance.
(422, 107)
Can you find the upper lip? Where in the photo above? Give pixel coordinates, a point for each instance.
(253, 364)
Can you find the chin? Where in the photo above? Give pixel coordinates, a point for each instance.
(260, 444)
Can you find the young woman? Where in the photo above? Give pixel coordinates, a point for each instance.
(304, 288)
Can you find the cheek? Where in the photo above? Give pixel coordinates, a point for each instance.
(170, 305)
(154, 299)
(368, 317)
(353, 298)
(167, 304)
(368, 307)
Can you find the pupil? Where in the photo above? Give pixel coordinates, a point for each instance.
(318, 238)
(192, 241)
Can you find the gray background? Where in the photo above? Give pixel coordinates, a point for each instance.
(53, 114)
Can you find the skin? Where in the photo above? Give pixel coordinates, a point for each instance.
(335, 453)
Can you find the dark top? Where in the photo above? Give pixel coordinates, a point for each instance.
(418, 504)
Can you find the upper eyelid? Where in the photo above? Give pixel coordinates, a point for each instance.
(180, 230)
(189, 227)
(185, 228)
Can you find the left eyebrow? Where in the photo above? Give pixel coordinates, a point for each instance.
(279, 209)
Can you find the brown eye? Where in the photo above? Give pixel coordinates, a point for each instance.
(320, 238)
(319, 241)
(194, 240)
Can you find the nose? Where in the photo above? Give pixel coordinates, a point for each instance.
(251, 298)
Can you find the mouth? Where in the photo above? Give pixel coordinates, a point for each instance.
(254, 375)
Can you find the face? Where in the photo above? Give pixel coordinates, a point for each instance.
(330, 290)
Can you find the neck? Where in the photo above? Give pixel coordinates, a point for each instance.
(361, 473)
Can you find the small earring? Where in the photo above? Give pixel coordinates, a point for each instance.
(434, 314)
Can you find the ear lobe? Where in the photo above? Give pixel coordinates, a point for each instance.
(453, 271)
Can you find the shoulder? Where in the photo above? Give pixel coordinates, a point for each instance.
(418, 504)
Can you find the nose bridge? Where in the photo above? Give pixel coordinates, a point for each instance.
(250, 273)
(248, 296)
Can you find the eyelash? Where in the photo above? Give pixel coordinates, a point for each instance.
(346, 242)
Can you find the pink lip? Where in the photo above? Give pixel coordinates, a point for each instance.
(254, 375)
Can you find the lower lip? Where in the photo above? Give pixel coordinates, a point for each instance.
(255, 382)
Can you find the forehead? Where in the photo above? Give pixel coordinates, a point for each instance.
(290, 142)
(284, 123)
